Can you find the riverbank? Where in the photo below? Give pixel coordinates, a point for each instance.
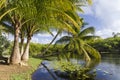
(14, 72)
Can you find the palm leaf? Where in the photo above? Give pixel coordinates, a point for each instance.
(90, 2)
(89, 37)
(2, 2)
(86, 31)
(63, 39)
(92, 52)
(1, 16)
(69, 28)
(66, 15)
(80, 10)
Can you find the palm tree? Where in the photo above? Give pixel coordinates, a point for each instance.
(70, 15)
(30, 29)
(47, 11)
(55, 22)
(77, 44)
(21, 14)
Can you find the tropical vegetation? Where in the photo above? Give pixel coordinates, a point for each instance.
(4, 45)
(76, 44)
(36, 15)
(111, 44)
(25, 18)
(73, 71)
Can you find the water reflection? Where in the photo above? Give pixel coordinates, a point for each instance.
(108, 69)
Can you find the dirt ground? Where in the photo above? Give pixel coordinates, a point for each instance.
(7, 70)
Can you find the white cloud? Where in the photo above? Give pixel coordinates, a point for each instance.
(108, 12)
(87, 10)
(46, 38)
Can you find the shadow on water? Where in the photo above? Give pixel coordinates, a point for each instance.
(43, 74)
(108, 69)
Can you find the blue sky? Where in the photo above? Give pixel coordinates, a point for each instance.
(104, 15)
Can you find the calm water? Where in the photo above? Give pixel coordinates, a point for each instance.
(108, 69)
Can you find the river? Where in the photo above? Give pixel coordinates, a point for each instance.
(107, 69)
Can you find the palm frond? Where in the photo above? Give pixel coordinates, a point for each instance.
(89, 37)
(86, 31)
(69, 28)
(63, 39)
(92, 52)
(90, 2)
(66, 15)
(1, 16)
(2, 2)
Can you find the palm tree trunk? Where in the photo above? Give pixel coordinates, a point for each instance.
(22, 46)
(87, 57)
(51, 42)
(25, 55)
(15, 56)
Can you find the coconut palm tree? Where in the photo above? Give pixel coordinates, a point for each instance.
(47, 11)
(17, 20)
(77, 45)
(28, 31)
(55, 22)
(72, 16)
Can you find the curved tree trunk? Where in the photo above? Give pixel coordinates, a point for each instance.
(25, 55)
(87, 57)
(15, 56)
(51, 42)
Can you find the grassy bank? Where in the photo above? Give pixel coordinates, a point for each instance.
(33, 63)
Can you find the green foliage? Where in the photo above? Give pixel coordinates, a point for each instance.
(75, 71)
(2, 5)
(76, 44)
(4, 45)
(107, 45)
(36, 48)
(56, 49)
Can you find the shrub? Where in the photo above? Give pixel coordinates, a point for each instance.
(4, 45)
(74, 71)
(36, 48)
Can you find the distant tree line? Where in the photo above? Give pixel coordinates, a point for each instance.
(111, 44)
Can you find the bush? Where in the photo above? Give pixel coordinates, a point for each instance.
(4, 45)
(36, 48)
(107, 45)
(74, 71)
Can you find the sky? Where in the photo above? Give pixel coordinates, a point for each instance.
(104, 15)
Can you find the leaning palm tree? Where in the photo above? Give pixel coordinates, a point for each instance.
(77, 45)
(70, 15)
